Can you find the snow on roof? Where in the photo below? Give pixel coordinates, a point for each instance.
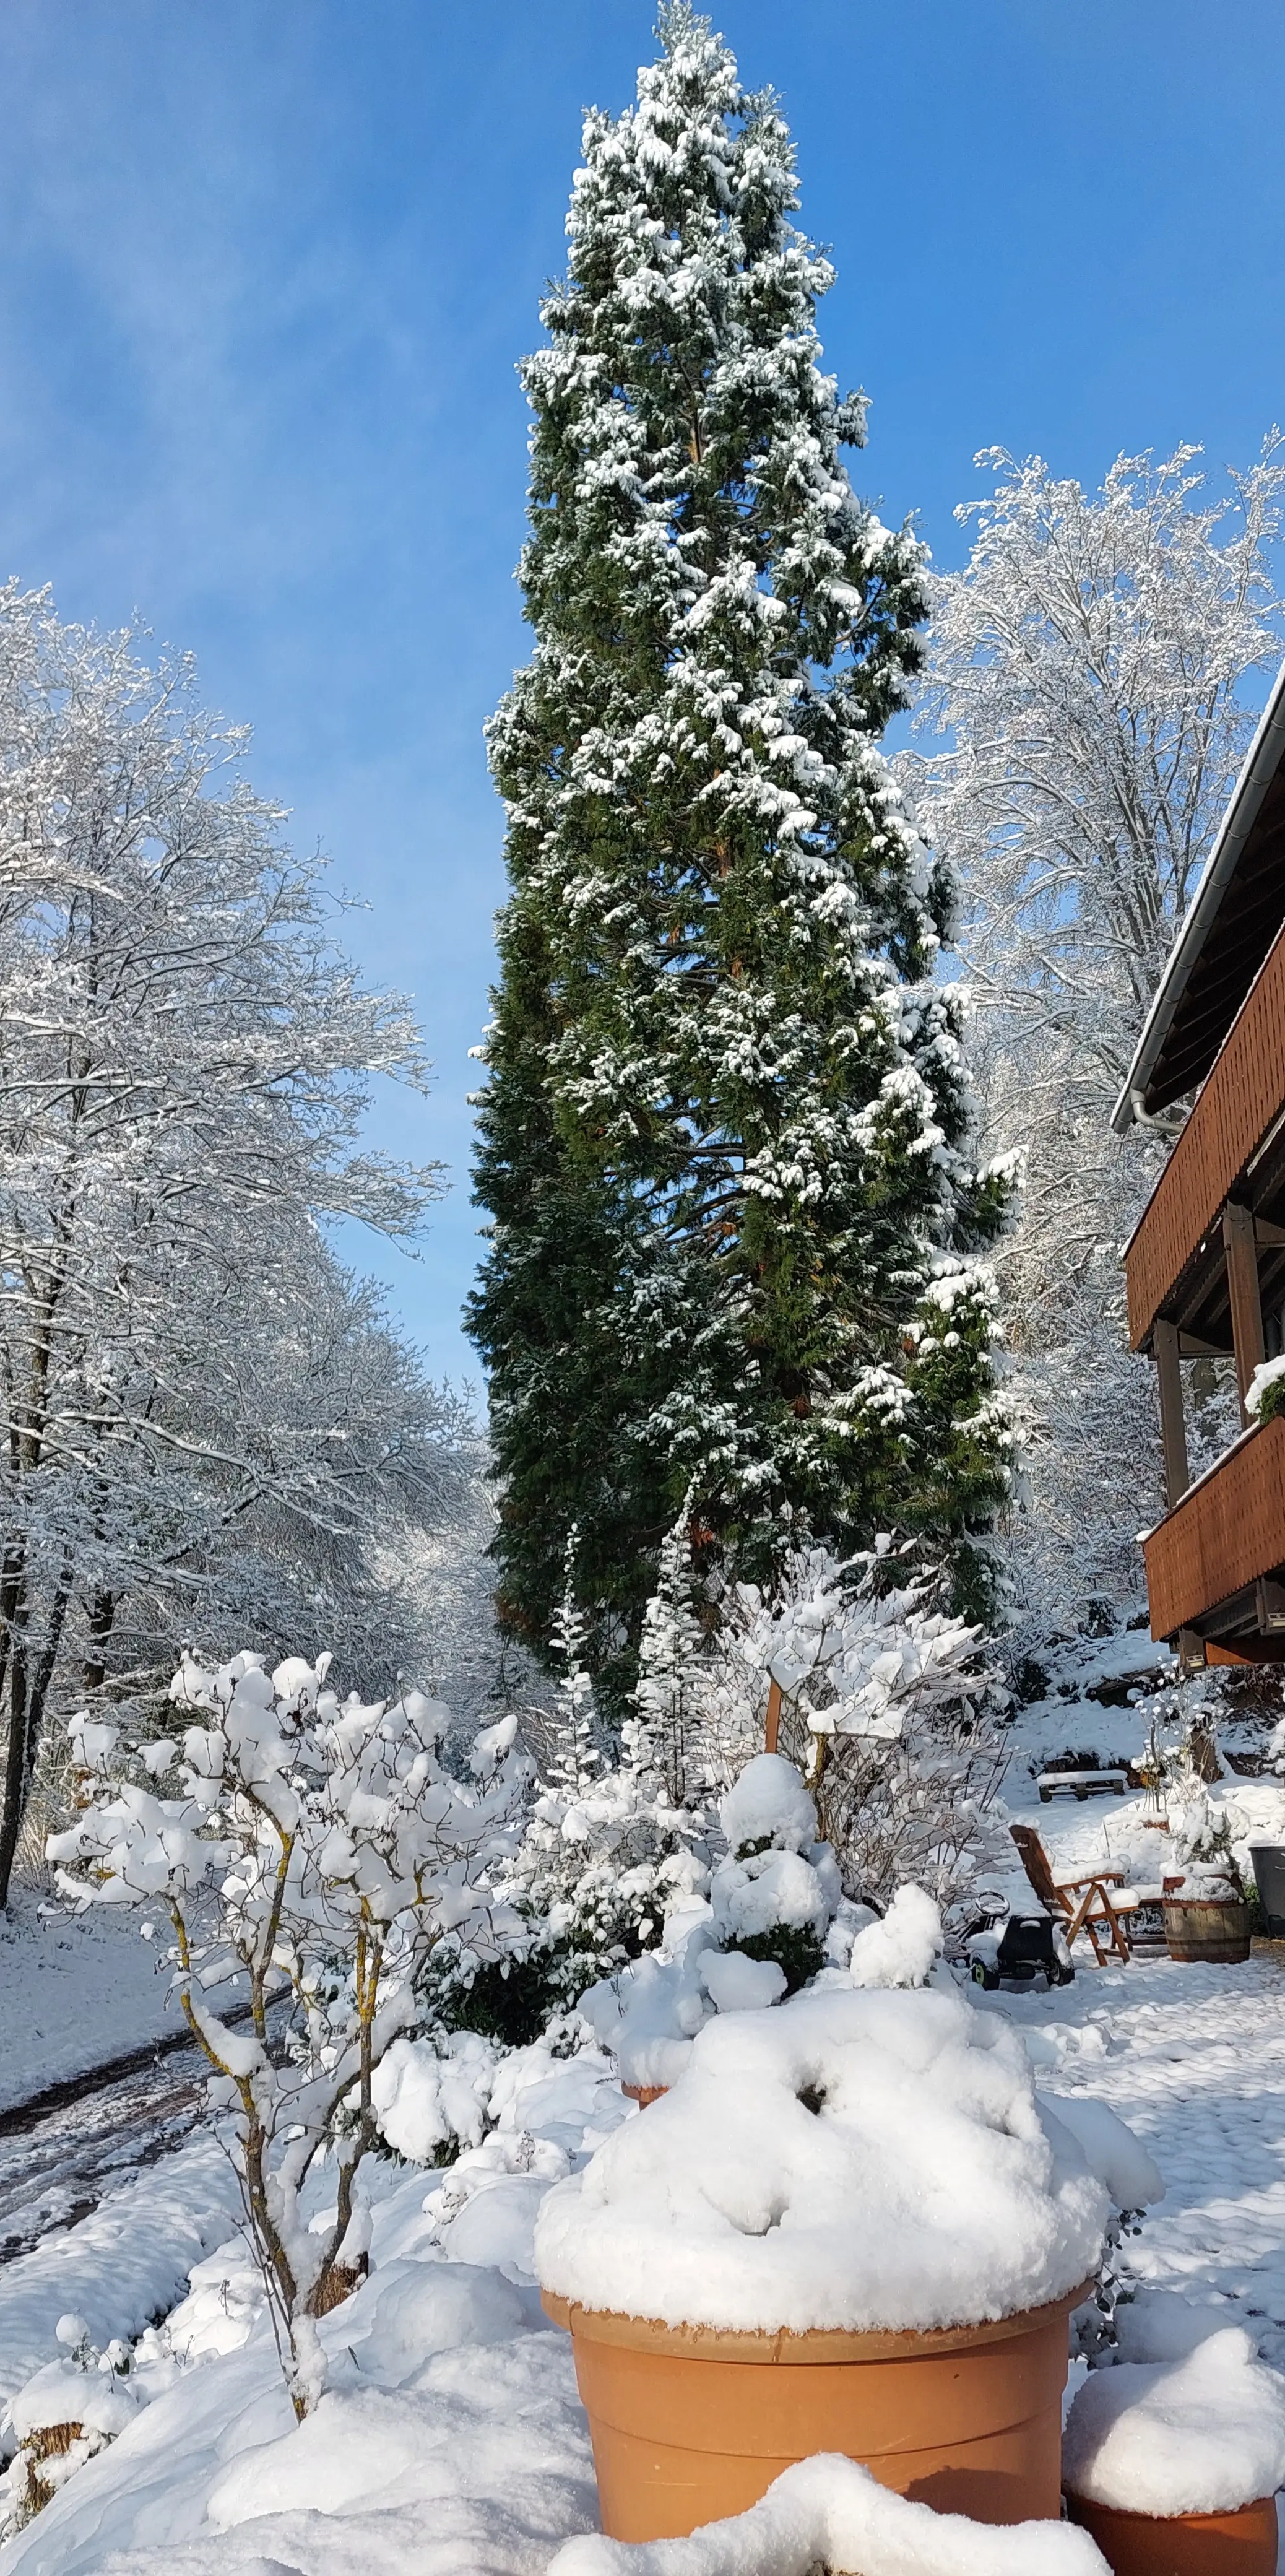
(1261, 764)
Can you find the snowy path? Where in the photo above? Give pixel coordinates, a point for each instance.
(125, 2263)
(75, 1992)
(55, 2168)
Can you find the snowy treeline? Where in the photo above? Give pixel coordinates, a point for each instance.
(206, 1420)
(1087, 668)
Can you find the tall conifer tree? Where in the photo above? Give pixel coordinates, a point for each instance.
(725, 1141)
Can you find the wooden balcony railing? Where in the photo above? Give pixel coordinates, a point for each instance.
(1226, 1532)
(1241, 1100)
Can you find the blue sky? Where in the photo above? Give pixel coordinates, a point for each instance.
(267, 266)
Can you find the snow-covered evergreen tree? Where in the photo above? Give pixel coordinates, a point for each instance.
(574, 1756)
(668, 1697)
(725, 1141)
(1087, 669)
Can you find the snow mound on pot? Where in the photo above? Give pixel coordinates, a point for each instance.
(1205, 2434)
(830, 2512)
(847, 2160)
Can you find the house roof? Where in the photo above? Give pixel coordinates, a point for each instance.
(1234, 916)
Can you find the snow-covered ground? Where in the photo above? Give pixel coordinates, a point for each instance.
(76, 1991)
(123, 2265)
(451, 2442)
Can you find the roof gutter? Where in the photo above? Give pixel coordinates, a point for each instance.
(1261, 763)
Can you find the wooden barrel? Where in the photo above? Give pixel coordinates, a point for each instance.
(1208, 1927)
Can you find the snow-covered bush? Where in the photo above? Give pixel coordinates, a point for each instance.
(1265, 1393)
(1201, 1832)
(332, 1851)
(775, 1895)
(889, 1703)
(609, 1850)
(601, 1865)
(776, 1920)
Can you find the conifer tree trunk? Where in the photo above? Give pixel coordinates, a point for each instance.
(725, 1140)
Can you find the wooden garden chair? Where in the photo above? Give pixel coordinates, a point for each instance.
(1085, 1905)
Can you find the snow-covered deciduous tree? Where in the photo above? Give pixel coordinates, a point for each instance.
(725, 1141)
(199, 1406)
(338, 1851)
(889, 1707)
(1087, 671)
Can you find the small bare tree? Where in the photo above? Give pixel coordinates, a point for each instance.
(338, 1851)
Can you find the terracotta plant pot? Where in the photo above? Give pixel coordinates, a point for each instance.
(642, 2094)
(690, 2425)
(1209, 1927)
(1182, 2544)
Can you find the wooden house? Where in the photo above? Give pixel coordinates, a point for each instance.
(1206, 1266)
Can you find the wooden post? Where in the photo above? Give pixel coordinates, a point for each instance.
(1246, 1305)
(773, 1728)
(1173, 1428)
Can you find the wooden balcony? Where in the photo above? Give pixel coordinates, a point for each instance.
(1206, 1559)
(1240, 1104)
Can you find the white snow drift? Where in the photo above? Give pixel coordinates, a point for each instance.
(847, 2161)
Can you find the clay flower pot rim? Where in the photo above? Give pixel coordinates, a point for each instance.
(816, 2344)
(1134, 2513)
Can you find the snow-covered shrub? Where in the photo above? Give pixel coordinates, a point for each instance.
(889, 1703)
(1265, 1393)
(431, 2096)
(776, 1921)
(609, 1848)
(334, 1851)
(599, 1868)
(775, 1895)
(672, 1669)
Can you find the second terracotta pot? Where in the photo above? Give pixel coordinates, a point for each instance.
(642, 2094)
(690, 2425)
(1184, 2544)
